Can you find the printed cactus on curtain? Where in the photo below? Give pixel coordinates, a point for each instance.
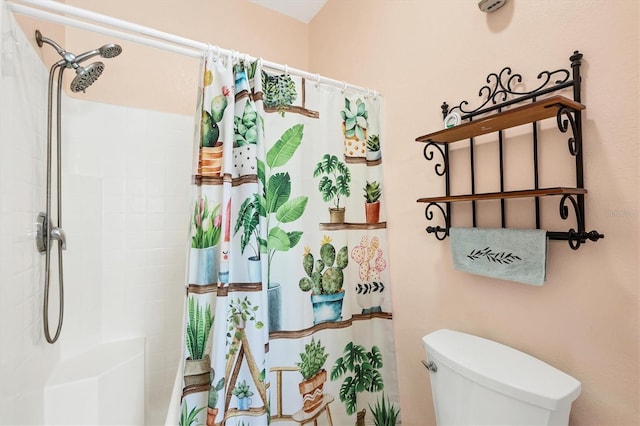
(366, 252)
(320, 280)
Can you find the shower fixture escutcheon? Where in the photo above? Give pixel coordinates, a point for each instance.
(44, 234)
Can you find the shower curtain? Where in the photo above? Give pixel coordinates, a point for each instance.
(288, 302)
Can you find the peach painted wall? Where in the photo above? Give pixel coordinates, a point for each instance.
(146, 77)
(584, 320)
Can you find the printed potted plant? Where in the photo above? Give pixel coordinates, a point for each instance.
(189, 417)
(360, 368)
(206, 229)
(313, 374)
(243, 393)
(324, 279)
(248, 221)
(199, 322)
(354, 127)
(212, 410)
(245, 128)
(210, 161)
(373, 148)
(372, 193)
(369, 289)
(277, 207)
(384, 412)
(333, 184)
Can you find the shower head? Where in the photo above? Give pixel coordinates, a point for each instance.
(86, 76)
(107, 51)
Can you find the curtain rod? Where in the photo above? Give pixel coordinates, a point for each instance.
(153, 38)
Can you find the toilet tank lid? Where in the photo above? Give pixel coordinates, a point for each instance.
(502, 368)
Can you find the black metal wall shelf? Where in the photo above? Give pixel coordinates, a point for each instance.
(503, 107)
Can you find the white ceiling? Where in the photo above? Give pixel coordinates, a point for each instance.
(302, 10)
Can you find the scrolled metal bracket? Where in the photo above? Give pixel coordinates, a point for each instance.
(439, 232)
(440, 168)
(563, 126)
(577, 238)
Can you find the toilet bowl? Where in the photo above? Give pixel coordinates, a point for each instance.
(476, 381)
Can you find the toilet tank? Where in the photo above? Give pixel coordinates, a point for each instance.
(482, 382)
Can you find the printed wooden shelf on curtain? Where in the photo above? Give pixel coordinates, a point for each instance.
(362, 160)
(296, 334)
(351, 225)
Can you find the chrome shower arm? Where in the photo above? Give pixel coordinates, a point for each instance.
(86, 55)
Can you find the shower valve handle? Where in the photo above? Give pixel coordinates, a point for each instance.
(58, 234)
(42, 229)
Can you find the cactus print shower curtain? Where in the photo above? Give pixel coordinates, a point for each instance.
(288, 300)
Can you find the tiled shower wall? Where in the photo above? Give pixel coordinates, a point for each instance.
(25, 359)
(126, 177)
(127, 203)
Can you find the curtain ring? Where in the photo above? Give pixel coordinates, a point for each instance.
(286, 69)
(368, 93)
(344, 86)
(317, 80)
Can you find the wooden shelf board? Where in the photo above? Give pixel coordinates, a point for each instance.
(501, 195)
(530, 113)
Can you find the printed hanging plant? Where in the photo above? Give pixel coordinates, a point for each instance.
(279, 91)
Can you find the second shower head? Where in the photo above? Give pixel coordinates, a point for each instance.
(85, 76)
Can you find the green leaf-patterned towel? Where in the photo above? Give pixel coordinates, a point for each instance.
(508, 254)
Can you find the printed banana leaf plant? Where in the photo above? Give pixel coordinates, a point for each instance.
(275, 204)
(248, 220)
(198, 327)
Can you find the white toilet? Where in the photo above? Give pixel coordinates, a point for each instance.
(476, 381)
